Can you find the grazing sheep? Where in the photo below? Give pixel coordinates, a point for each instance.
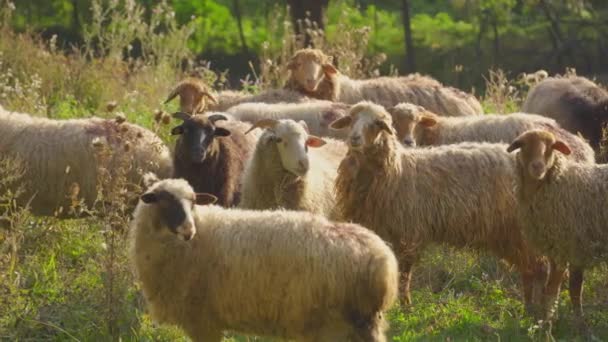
(229, 98)
(461, 195)
(317, 114)
(193, 96)
(313, 75)
(61, 157)
(562, 204)
(414, 125)
(210, 157)
(576, 103)
(283, 173)
(284, 274)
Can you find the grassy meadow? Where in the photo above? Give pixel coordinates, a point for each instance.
(69, 279)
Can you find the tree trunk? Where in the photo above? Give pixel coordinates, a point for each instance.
(237, 14)
(313, 10)
(409, 44)
(75, 17)
(496, 42)
(556, 33)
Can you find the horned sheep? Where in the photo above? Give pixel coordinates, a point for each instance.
(414, 125)
(62, 158)
(461, 195)
(313, 74)
(561, 203)
(316, 114)
(576, 103)
(211, 156)
(284, 274)
(284, 173)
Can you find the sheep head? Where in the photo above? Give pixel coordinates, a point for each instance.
(292, 141)
(536, 151)
(309, 67)
(367, 121)
(170, 203)
(197, 136)
(194, 96)
(408, 119)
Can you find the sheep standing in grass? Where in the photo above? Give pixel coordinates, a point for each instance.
(414, 125)
(576, 103)
(316, 114)
(284, 173)
(313, 75)
(461, 195)
(211, 157)
(562, 204)
(284, 274)
(60, 157)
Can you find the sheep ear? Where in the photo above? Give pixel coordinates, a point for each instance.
(181, 115)
(149, 197)
(173, 93)
(562, 147)
(177, 130)
(428, 120)
(217, 117)
(515, 145)
(341, 123)
(384, 126)
(221, 132)
(210, 96)
(292, 65)
(205, 198)
(329, 69)
(314, 141)
(149, 179)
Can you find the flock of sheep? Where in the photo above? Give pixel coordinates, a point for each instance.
(338, 184)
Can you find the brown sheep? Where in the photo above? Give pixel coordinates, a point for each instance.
(313, 75)
(576, 103)
(211, 158)
(461, 195)
(193, 96)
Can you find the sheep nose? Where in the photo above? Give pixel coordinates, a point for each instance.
(355, 140)
(409, 142)
(303, 164)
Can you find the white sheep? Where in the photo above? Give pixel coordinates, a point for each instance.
(230, 98)
(285, 274)
(283, 173)
(458, 195)
(414, 125)
(562, 204)
(61, 160)
(317, 114)
(313, 75)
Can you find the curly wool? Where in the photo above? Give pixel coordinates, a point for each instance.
(229, 98)
(272, 273)
(60, 158)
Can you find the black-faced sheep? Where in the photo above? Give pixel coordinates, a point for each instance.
(316, 114)
(211, 157)
(576, 103)
(562, 204)
(284, 173)
(414, 125)
(313, 75)
(60, 157)
(285, 274)
(461, 195)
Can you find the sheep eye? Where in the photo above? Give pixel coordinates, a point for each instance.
(278, 140)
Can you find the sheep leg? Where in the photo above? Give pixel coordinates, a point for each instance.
(576, 294)
(551, 293)
(405, 263)
(534, 277)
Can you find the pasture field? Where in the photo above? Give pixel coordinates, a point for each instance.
(69, 279)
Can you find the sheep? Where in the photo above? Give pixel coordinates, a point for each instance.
(576, 103)
(229, 98)
(317, 114)
(194, 96)
(461, 195)
(561, 203)
(313, 75)
(61, 157)
(283, 173)
(414, 125)
(286, 274)
(211, 157)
